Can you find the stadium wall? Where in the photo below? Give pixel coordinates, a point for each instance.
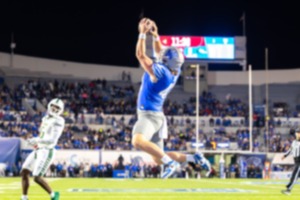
(60, 67)
(94, 71)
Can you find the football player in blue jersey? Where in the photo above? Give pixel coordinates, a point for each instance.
(158, 80)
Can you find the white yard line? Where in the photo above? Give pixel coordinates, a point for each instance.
(239, 183)
(143, 196)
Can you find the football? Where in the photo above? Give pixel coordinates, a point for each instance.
(148, 24)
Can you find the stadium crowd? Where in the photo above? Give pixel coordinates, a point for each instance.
(104, 99)
(98, 95)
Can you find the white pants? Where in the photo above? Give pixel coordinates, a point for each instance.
(149, 124)
(39, 161)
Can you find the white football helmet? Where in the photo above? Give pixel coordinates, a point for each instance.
(58, 107)
(172, 57)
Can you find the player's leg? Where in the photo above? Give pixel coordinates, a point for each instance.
(147, 125)
(25, 183)
(43, 161)
(173, 165)
(293, 180)
(179, 157)
(159, 144)
(196, 158)
(41, 182)
(139, 141)
(25, 173)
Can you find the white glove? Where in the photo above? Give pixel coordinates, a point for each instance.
(33, 141)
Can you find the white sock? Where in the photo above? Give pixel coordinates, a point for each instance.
(190, 158)
(166, 159)
(24, 197)
(52, 195)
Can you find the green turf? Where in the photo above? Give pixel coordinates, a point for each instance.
(154, 189)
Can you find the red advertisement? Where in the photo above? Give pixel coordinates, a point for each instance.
(182, 41)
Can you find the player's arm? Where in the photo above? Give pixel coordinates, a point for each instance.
(156, 41)
(140, 53)
(288, 152)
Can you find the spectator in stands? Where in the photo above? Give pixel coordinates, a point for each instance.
(256, 146)
(251, 171)
(109, 169)
(86, 170)
(232, 170)
(211, 122)
(93, 170)
(129, 76)
(71, 171)
(52, 170)
(237, 171)
(123, 75)
(100, 170)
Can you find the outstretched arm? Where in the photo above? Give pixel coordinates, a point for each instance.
(144, 60)
(156, 41)
(288, 152)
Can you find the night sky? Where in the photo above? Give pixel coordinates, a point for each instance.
(106, 33)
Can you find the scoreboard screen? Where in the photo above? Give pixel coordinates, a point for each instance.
(202, 47)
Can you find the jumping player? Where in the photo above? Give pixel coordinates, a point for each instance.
(158, 80)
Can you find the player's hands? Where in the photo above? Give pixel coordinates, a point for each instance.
(282, 158)
(32, 141)
(154, 29)
(145, 25)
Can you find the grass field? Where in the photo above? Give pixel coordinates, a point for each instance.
(154, 189)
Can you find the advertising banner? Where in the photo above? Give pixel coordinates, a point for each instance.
(245, 160)
(134, 157)
(9, 150)
(75, 157)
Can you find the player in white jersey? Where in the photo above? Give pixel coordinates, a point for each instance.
(158, 80)
(42, 156)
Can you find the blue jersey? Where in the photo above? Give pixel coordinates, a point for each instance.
(153, 94)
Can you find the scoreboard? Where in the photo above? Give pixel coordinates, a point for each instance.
(201, 47)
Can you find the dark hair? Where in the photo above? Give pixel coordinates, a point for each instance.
(292, 131)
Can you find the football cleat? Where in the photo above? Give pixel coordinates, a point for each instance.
(169, 171)
(286, 192)
(203, 162)
(56, 196)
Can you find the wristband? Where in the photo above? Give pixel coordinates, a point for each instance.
(156, 39)
(142, 36)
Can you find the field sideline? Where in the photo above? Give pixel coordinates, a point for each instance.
(94, 189)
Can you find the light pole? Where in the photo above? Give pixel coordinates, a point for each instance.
(12, 47)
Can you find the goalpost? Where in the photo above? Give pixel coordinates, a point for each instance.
(250, 105)
(250, 108)
(197, 106)
(250, 120)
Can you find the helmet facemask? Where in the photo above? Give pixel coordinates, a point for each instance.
(55, 107)
(172, 57)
